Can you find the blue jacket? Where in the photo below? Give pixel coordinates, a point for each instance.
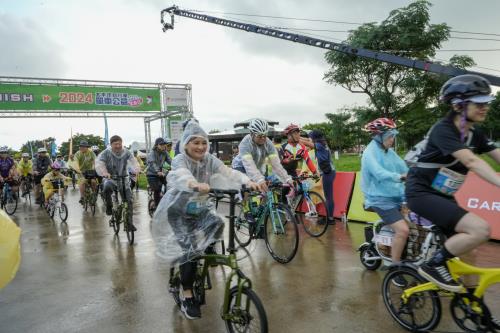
(380, 176)
(324, 158)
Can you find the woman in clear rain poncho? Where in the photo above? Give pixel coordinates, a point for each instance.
(185, 223)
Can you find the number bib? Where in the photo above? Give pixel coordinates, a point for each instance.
(448, 181)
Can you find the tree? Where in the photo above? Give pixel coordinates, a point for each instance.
(394, 90)
(93, 140)
(35, 144)
(492, 124)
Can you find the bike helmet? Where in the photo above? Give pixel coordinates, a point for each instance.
(42, 150)
(468, 87)
(258, 126)
(56, 166)
(168, 141)
(25, 155)
(290, 128)
(380, 125)
(94, 148)
(4, 150)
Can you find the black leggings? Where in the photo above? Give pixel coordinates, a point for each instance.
(188, 274)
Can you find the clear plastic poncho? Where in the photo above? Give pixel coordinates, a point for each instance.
(116, 164)
(186, 222)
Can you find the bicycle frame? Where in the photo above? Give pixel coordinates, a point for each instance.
(487, 277)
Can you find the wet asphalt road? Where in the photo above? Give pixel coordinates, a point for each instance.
(79, 277)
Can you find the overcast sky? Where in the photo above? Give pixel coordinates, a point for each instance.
(235, 75)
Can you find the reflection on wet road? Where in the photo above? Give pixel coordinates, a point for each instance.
(79, 277)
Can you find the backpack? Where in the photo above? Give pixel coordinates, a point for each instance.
(413, 155)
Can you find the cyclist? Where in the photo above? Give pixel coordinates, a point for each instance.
(177, 150)
(63, 165)
(8, 171)
(295, 151)
(450, 147)
(170, 151)
(185, 223)
(97, 151)
(382, 176)
(85, 161)
(155, 175)
(54, 175)
(40, 168)
(254, 149)
(25, 169)
(325, 164)
(116, 161)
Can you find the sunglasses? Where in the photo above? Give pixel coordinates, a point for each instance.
(260, 136)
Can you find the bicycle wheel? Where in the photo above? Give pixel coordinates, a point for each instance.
(472, 314)
(116, 220)
(10, 205)
(93, 201)
(422, 312)
(151, 207)
(51, 209)
(174, 286)
(281, 233)
(313, 222)
(63, 212)
(368, 251)
(242, 229)
(126, 225)
(250, 316)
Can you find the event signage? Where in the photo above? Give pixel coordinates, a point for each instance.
(481, 198)
(28, 97)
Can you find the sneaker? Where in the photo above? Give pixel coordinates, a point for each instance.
(399, 281)
(440, 275)
(190, 308)
(109, 210)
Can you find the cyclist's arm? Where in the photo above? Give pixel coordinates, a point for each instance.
(251, 169)
(151, 162)
(477, 165)
(495, 155)
(133, 164)
(233, 175)
(100, 167)
(372, 165)
(278, 169)
(309, 162)
(181, 179)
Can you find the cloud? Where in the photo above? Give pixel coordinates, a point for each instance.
(27, 49)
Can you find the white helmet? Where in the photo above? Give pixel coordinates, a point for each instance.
(94, 148)
(42, 150)
(258, 126)
(4, 149)
(25, 155)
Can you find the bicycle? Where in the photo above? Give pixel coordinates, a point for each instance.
(120, 210)
(241, 307)
(56, 202)
(26, 186)
(273, 221)
(151, 202)
(423, 240)
(72, 174)
(309, 206)
(9, 200)
(89, 194)
(468, 307)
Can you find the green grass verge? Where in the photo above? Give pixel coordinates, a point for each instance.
(348, 162)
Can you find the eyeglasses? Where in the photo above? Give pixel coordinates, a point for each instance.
(482, 105)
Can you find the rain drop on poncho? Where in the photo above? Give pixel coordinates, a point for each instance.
(186, 222)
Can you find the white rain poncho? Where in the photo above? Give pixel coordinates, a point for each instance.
(116, 164)
(253, 159)
(186, 222)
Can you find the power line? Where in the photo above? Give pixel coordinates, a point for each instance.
(325, 21)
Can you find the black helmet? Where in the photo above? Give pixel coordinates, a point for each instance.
(463, 87)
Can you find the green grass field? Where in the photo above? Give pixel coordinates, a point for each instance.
(348, 162)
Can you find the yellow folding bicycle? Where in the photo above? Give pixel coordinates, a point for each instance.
(417, 305)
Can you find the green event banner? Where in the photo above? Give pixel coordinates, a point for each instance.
(77, 98)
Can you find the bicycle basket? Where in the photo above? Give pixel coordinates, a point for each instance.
(415, 241)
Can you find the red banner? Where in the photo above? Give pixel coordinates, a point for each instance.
(481, 198)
